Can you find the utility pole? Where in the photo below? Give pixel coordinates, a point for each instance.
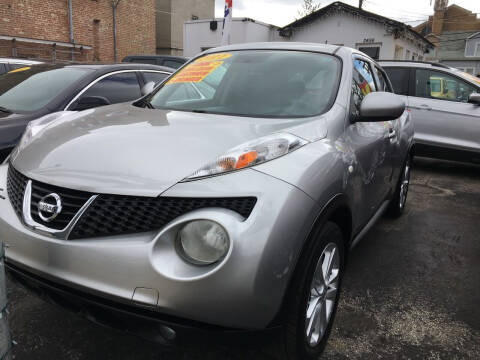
(114, 7)
(70, 24)
(360, 4)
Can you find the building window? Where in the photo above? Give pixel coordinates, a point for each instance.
(372, 51)
(194, 17)
(407, 55)
(398, 53)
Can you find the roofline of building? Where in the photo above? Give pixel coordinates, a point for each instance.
(338, 4)
(244, 19)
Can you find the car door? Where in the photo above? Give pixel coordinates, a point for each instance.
(444, 120)
(114, 88)
(370, 144)
(394, 126)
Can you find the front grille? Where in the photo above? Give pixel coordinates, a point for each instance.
(72, 201)
(16, 184)
(113, 214)
(110, 215)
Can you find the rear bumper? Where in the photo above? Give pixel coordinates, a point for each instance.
(151, 325)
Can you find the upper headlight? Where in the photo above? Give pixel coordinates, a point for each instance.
(252, 153)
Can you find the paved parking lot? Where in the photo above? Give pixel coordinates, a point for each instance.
(411, 290)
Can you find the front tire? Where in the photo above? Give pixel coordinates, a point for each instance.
(314, 295)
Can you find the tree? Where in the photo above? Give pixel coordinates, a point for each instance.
(308, 7)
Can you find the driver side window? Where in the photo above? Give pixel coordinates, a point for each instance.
(441, 86)
(362, 84)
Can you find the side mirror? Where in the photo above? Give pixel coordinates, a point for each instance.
(147, 88)
(381, 106)
(90, 102)
(474, 98)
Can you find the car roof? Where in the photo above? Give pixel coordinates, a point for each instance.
(106, 68)
(298, 46)
(143, 56)
(326, 48)
(409, 63)
(121, 66)
(19, 61)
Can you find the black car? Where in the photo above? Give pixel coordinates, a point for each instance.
(165, 60)
(29, 93)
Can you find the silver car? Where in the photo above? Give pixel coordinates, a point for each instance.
(445, 107)
(226, 200)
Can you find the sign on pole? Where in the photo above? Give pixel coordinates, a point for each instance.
(227, 23)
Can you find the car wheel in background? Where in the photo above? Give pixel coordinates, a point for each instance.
(399, 200)
(314, 294)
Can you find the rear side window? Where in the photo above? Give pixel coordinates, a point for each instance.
(362, 84)
(116, 88)
(174, 64)
(441, 86)
(400, 79)
(156, 77)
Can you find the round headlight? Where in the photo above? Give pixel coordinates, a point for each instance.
(203, 242)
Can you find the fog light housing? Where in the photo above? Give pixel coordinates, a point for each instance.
(203, 242)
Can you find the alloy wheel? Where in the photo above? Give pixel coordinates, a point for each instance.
(323, 294)
(404, 185)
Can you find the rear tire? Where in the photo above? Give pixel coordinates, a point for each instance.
(399, 200)
(314, 295)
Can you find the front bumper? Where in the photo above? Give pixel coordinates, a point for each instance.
(244, 291)
(150, 325)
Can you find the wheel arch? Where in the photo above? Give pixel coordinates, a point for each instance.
(337, 211)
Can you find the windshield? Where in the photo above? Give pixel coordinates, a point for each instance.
(31, 88)
(258, 83)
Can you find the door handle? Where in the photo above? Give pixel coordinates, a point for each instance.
(392, 134)
(425, 107)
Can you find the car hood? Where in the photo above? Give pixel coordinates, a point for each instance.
(123, 149)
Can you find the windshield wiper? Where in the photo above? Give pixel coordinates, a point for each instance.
(5, 110)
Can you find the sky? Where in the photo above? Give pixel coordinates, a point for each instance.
(283, 12)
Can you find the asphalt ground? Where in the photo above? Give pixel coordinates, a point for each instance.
(411, 290)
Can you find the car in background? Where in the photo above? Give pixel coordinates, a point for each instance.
(173, 62)
(445, 107)
(9, 64)
(227, 213)
(32, 92)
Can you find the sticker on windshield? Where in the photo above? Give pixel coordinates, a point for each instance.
(199, 69)
(20, 69)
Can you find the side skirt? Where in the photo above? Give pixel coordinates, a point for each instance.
(370, 223)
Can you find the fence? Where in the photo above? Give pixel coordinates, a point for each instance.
(5, 340)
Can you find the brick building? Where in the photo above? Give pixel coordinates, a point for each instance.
(40, 29)
(456, 33)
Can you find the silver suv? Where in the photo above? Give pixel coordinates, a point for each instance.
(226, 200)
(445, 107)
